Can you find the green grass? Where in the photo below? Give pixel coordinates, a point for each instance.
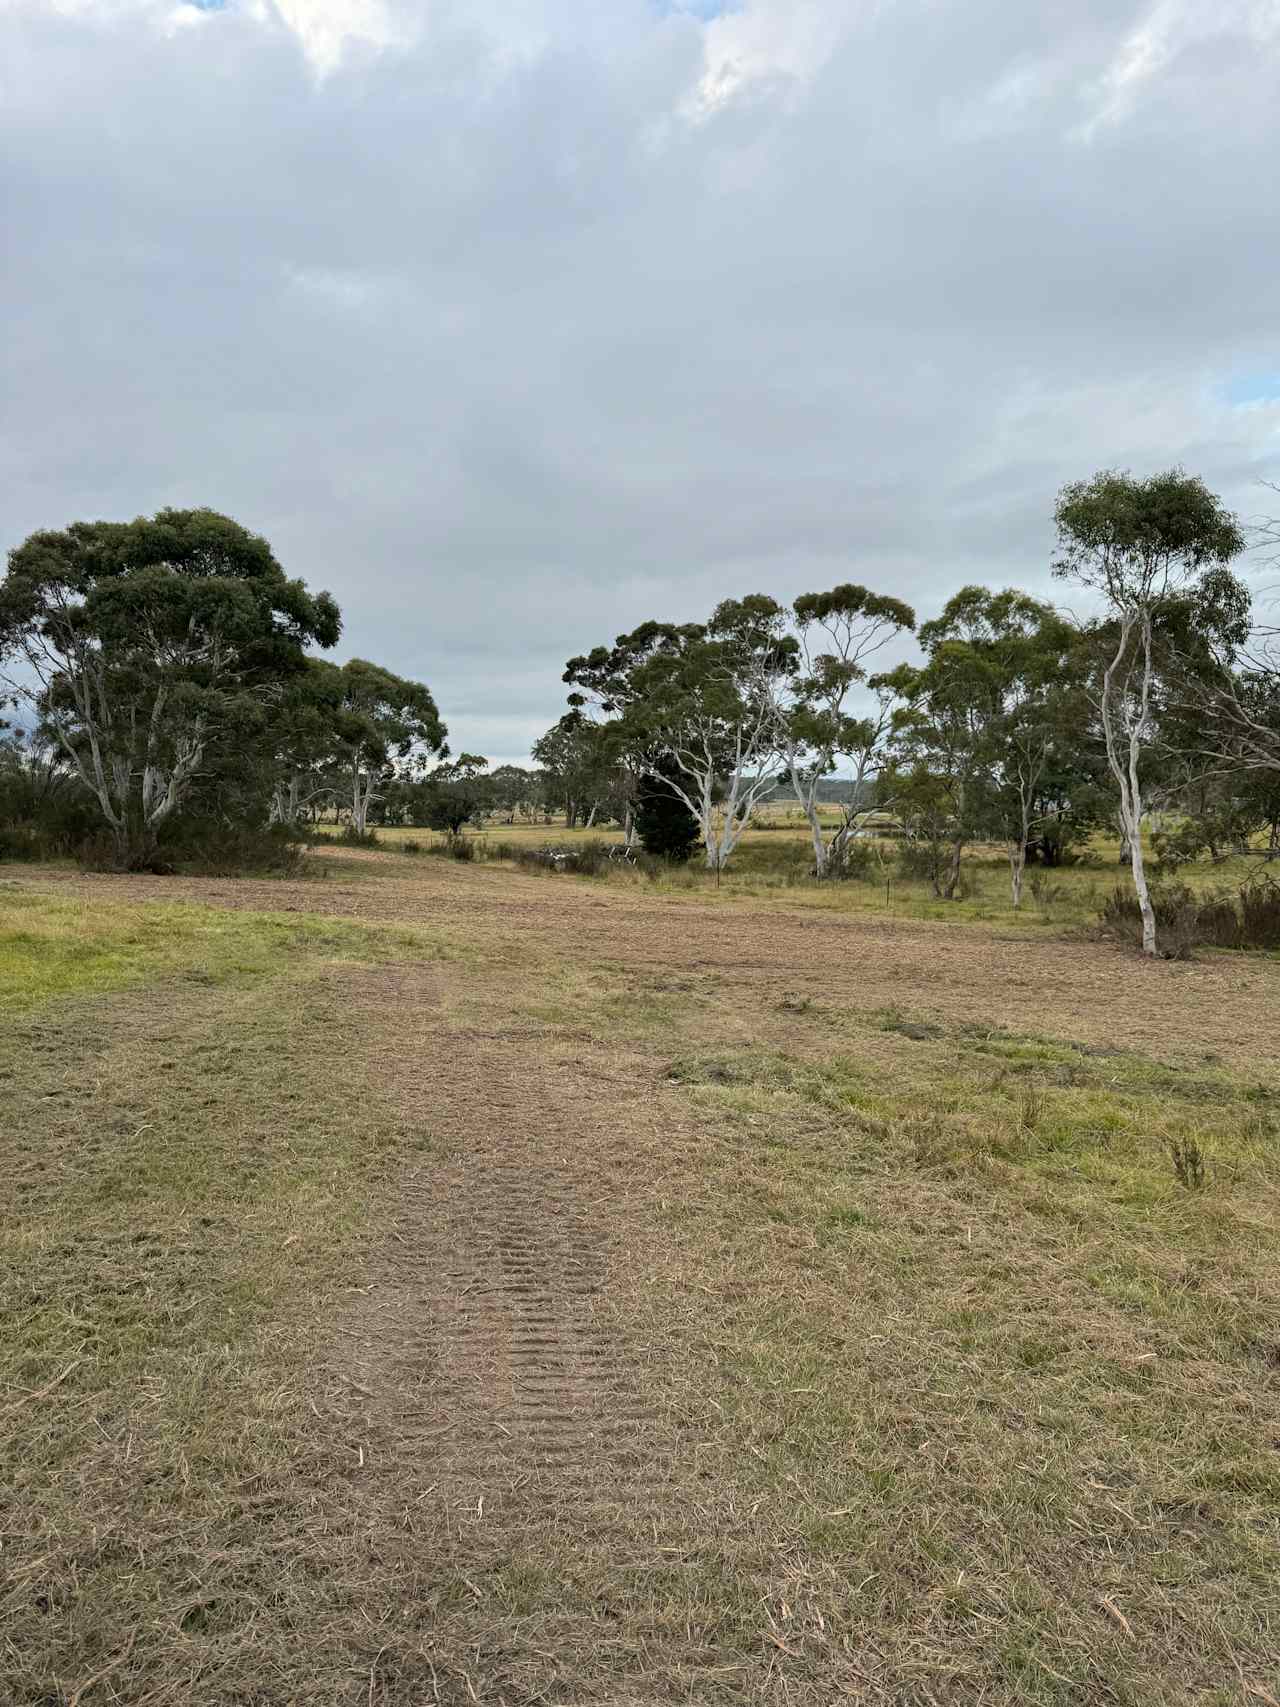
(52, 948)
(194, 1151)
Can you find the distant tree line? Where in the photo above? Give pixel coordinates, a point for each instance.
(1021, 724)
(168, 686)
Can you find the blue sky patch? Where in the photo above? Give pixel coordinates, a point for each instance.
(704, 9)
(1254, 388)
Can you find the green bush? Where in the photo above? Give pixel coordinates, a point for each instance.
(1260, 912)
(665, 825)
(856, 860)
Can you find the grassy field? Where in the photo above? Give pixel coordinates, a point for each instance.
(437, 1282)
(776, 857)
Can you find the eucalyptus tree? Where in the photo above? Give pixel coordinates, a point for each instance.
(1156, 552)
(607, 684)
(579, 765)
(1023, 663)
(305, 742)
(829, 718)
(699, 709)
(147, 648)
(379, 719)
(707, 717)
(453, 793)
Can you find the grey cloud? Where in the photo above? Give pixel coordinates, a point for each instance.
(494, 339)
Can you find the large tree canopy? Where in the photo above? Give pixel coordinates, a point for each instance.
(142, 645)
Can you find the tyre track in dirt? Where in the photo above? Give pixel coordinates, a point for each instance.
(518, 1403)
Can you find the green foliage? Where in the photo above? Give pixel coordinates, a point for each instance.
(152, 646)
(855, 858)
(455, 793)
(665, 825)
(1141, 541)
(579, 761)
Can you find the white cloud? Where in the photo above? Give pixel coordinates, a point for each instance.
(770, 42)
(329, 29)
(1168, 29)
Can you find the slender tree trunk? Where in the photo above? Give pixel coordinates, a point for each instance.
(815, 831)
(591, 816)
(360, 799)
(1143, 894)
(1017, 865)
(948, 892)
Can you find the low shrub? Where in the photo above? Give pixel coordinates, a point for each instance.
(29, 841)
(915, 859)
(856, 860)
(1260, 912)
(205, 849)
(1250, 918)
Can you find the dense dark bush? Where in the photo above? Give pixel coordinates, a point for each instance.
(665, 825)
(586, 859)
(99, 852)
(44, 813)
(916, 859)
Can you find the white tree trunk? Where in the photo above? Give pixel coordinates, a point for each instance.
(1125, 764)
(1017, 865)
(1143, 893)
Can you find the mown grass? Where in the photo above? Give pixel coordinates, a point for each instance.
(1001, 1390)
(776, 864)
(1021, 1383)
(976, 1401)
(193, 1150)
(52, 947)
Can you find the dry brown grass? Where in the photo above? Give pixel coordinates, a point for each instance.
(623, 1301)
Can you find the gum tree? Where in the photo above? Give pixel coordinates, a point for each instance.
(149, 647)
(1155, 552)
(838, 632)
(708, 718)
(379, 718)
(1002, 666)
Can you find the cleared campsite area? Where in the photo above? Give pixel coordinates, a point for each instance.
(436, 1282)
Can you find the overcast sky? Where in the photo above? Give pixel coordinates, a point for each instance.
(517, 323)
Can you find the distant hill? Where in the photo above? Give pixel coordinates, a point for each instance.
(832, 791)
